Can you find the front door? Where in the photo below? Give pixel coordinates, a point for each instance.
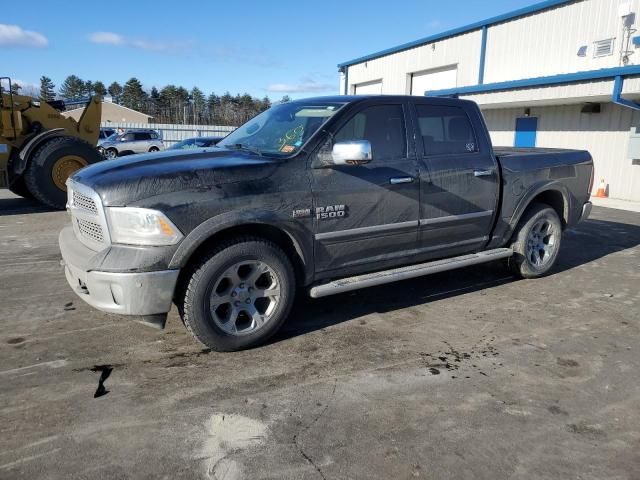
(459, 179)
(368, 213)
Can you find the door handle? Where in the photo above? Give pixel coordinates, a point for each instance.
(399, 180)
(482, 173)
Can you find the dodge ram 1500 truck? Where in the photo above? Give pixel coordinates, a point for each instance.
(324, 195)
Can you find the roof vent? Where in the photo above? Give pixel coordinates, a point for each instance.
(603, 48)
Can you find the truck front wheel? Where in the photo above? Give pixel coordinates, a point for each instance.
(536, 242)
(51, 165)
(238, 295)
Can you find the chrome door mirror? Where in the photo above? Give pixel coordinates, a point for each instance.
(355, 152)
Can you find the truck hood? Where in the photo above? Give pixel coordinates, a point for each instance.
(128, 180)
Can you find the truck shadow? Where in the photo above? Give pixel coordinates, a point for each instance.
(590, 241)
(21, 206)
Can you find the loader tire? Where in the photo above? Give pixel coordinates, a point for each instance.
(52, 163)
(20, 188)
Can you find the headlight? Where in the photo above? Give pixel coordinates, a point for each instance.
(141, 226)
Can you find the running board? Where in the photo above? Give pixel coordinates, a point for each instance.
(404, 273)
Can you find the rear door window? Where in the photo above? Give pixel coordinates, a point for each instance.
(383, 126)
(142, 136)
(445, 130)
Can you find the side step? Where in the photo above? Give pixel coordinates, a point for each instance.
(404, 273)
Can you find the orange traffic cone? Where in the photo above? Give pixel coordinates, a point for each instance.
(602, 190)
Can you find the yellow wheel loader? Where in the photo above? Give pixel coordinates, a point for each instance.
(40, 148)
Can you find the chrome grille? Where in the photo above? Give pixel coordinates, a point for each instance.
(87, 216)
(84, 203)
(90, 229)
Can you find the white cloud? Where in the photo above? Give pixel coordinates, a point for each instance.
(107, 38)
(15, 36)
(117, 40)
(433, 24)
(305, 85)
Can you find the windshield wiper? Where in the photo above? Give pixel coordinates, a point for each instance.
(246, 148)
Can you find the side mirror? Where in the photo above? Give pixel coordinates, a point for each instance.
(355, 152)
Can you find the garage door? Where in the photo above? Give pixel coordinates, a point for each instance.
(369, 88)
(433, 80)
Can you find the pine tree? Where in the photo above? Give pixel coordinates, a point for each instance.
(88, 88)
(199, 103)
(73, 88)
(133, 96)
(99, 88)
(115, 90)
(47, 89)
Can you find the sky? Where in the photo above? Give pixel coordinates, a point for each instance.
(265, 48)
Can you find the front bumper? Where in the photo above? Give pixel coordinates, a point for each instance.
(140, 294)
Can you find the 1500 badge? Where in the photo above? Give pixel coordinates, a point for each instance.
(322, 213)
(331, 211)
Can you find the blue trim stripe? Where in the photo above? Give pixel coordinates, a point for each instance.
(483, 55)
(539, 81)
(617, 95)
(538, 7)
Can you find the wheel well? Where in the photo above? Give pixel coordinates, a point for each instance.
(555, 200)
(267, 232)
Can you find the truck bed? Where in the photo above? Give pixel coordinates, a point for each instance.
(524, 169)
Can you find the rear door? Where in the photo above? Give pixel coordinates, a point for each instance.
(368, 214)
(459, 177)
(142, 142)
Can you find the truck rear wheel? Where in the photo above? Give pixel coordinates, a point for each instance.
(51, 165)
(238, 295)
(536, 242)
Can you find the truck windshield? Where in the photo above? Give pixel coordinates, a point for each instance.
(281, 130)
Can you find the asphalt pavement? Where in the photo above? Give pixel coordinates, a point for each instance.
(469, 374)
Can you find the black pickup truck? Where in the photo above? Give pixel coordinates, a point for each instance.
(324, 195)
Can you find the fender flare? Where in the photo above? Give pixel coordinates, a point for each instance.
(533, 192)
(25, 153)
(203, 232)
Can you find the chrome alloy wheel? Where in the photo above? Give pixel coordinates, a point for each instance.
(245, 297)
(541, 243)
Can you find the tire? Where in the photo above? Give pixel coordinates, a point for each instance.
(19, 187)
(51, 165)
(154, 149)
(218, 306)
(110, 153)
(536, 242)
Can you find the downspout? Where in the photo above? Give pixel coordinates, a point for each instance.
(346, 80)
(483, 55)
(616, 98)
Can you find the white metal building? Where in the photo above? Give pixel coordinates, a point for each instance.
(561, 73)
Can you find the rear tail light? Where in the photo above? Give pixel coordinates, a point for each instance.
(593, 176)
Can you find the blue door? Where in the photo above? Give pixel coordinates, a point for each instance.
(526, 128)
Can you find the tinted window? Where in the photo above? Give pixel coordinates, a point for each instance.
(142, 136)
(382, 125)
(445, 130)
(128, 137)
